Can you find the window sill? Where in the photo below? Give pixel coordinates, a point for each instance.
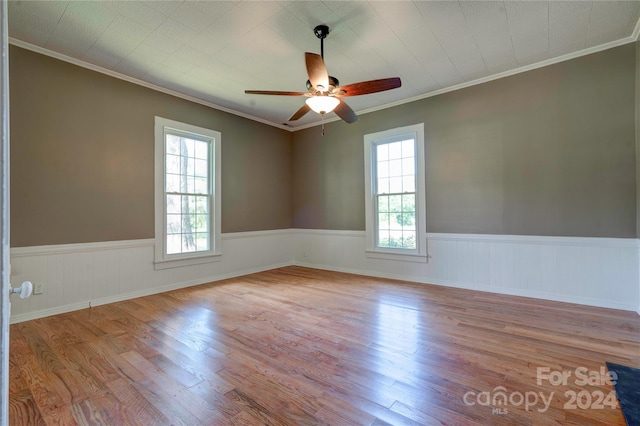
(186, 261)
(402, 257)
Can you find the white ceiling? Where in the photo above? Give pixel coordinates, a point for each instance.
(214, 50)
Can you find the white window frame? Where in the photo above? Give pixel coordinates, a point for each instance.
(419, 254)
(162, 259)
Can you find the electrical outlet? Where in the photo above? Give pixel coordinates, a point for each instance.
(38, 288)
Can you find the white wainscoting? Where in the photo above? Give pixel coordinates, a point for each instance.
(591, 271)
(76, 276)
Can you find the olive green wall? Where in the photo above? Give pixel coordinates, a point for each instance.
(82, 157)
(546, 152)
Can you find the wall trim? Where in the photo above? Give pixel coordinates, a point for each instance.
(541, 239)
(80, 247)
(252, 234)
(123, 244)
(337, 232)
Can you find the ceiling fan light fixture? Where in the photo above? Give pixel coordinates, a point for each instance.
(322, 104)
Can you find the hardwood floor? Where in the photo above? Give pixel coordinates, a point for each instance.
(303, 346)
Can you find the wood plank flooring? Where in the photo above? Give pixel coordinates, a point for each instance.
(301, 346)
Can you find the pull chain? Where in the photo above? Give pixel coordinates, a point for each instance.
(322, 120)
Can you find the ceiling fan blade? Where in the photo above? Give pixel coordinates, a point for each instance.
(299, 113)
(317, 71)
(274, 92)
(345, 112)
(366, 87)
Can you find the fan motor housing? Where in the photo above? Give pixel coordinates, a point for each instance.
(333, 83)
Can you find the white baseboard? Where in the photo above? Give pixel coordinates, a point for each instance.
(601, 272)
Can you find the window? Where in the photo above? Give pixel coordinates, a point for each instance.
(187, 193)
(395, 194)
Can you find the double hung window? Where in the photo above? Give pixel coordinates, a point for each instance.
(395, 194)
(187, 192)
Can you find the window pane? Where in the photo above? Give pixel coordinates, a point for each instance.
(408, 148)
(188, 243)
(407, 221)
(395, 239)
(409, 240)
(202, 223)
(173, 204)
(408, 203)
(173, 164)
(173, 145)
(202, 169)
(382, 152)
(174, 223)
(202, 150)
(189, 184)
(383, 220)
(408, 166)
(409, 184)
(395, 203)
(395, 150)
(395, 168)
(395, 221)
(395, 185)
(202, 186)
(174, 244)
(186, 147)
(187, 166)
(173, 183)
(383, 204)
(383, 238)
(383, 169)
(202, 241)
(383, 186)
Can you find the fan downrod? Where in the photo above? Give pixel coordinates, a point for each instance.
(321, 31)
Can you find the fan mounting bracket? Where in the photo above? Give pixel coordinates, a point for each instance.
(321, 31)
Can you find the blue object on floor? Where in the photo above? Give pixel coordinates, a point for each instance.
(628, 392)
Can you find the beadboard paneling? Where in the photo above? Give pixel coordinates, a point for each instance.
(76, 276)
(592, 271)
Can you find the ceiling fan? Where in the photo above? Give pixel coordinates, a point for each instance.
(324, 91)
